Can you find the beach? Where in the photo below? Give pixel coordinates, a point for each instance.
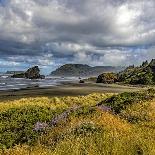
(66, 89)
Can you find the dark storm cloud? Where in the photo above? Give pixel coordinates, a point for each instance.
(100, 32)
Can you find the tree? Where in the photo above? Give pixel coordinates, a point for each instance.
(145, 63)
(152, 63)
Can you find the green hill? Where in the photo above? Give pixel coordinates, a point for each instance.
(83, 70)
(144, 74)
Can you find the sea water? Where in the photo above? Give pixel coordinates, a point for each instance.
(8, 83)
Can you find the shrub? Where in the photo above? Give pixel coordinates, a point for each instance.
(107, 78)
(17, 124)
(121, 101)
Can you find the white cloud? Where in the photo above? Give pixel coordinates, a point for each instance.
(8, 63)
(97, 32)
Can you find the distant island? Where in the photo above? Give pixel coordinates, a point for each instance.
(143, 75)
(84, 70)
(31, 73)
(14, 72)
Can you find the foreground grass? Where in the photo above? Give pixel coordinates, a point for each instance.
(95, 124)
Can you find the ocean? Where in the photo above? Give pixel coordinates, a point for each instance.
(8, 83)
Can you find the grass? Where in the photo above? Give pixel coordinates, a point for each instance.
(82, 125)
(123, 100)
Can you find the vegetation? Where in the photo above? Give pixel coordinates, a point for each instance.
(83, 70)
(138, 75)
(107, 78)
(121, 101)
(142, 75)
(93, 124)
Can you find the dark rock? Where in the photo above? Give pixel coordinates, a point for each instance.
(21, 75)
(31, 73)
(81, 81)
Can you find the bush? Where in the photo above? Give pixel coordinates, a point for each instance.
(107, 78)
(121, 101)
(17, 124)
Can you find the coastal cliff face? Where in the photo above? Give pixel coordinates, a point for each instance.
(31, 73)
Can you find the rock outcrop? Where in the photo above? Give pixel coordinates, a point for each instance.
(31, 73)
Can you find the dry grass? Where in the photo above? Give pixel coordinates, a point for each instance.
(90, 130)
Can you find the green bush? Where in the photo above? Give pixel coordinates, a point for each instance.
(107, 78)
(84, 111)
(121, 101)
(17, 124)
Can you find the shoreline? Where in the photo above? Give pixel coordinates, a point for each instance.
(66, 89)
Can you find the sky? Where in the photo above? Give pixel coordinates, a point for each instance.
(49, 33)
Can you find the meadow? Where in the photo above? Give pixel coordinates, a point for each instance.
(96, 124)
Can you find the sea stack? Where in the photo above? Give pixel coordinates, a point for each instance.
(31, 73)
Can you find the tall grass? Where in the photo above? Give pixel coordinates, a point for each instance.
(87, 129)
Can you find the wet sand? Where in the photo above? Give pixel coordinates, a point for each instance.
(66, 89)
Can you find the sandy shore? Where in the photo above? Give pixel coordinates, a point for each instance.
(66, 89)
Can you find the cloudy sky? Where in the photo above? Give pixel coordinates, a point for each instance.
(50, 33)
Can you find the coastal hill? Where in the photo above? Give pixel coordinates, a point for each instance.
(143, 74)
(83, 70)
